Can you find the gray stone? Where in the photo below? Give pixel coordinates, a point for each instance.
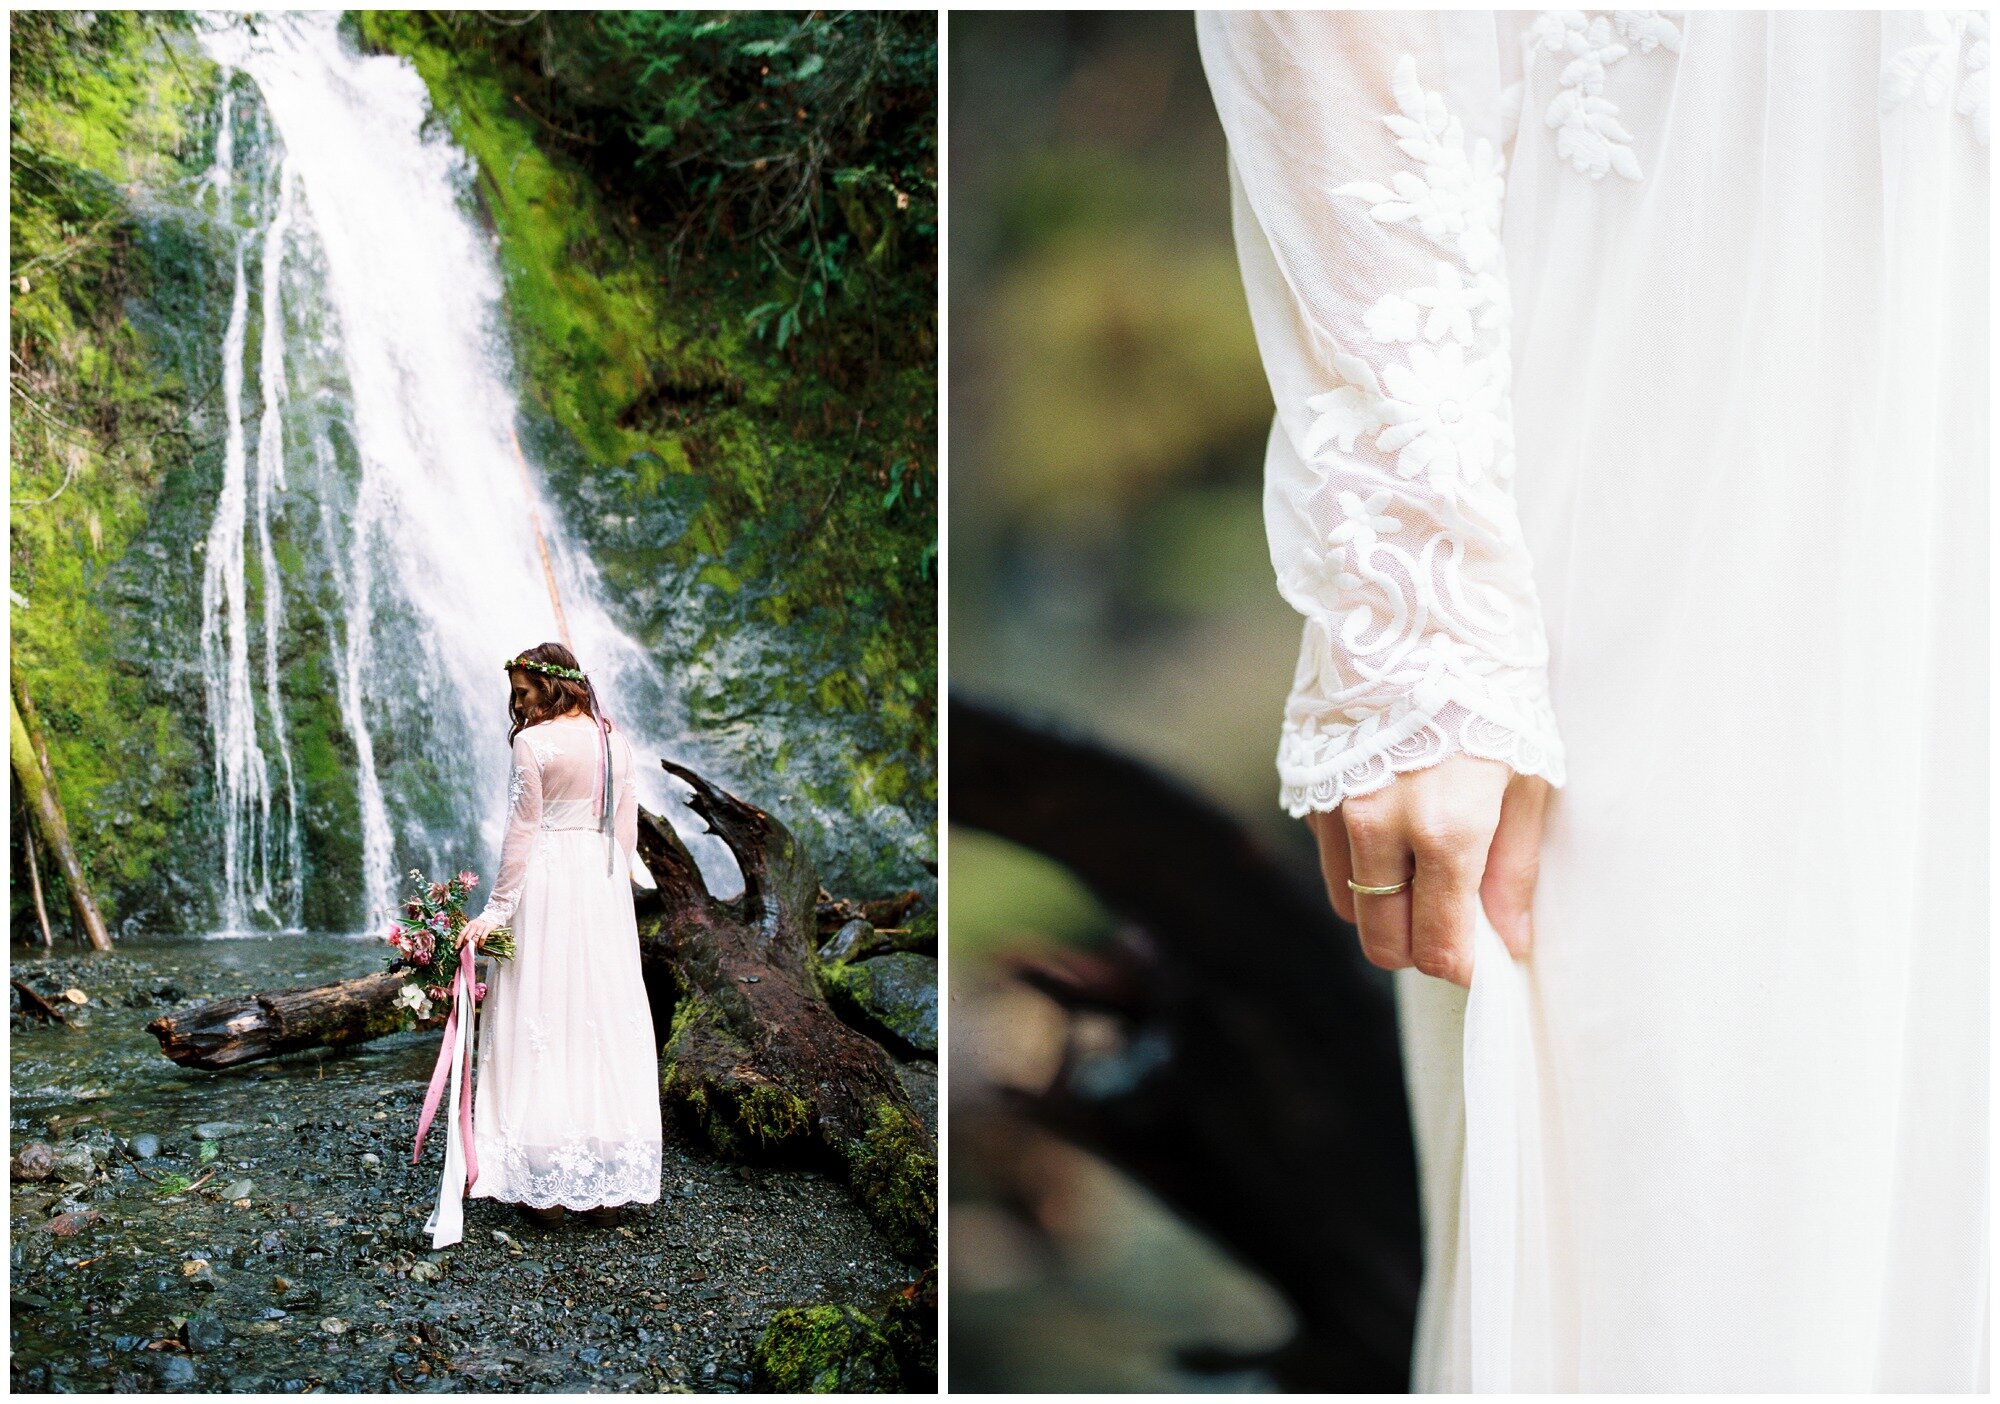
(174, 1369)
(892, 997)
(145, 1145)
(845, 941)
(76, 1162)
(203, 1333)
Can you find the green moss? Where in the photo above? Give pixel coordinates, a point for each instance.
(825, 1350)
(892, 996)
(741, 1118)
(99, 110)
(893, 1170)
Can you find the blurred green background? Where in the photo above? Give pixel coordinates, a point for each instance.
(1108, 571)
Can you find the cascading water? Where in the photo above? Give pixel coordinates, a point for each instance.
(385, 376)
(242, 774)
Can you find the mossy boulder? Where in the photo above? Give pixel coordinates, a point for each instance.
(893, 1170)
(833, 1349)
(893, 998)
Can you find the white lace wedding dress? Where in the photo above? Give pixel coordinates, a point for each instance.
(1631, 373)
(566, 1109)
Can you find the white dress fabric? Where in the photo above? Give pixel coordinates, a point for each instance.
(1631, 373)
(566, 1109)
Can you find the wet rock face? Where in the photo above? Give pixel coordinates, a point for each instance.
(893, 998)
(826, 1350)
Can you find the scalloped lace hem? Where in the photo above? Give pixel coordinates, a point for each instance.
(577, 1175)
(1322, 784)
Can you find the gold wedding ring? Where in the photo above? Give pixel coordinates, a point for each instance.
(1353, 886)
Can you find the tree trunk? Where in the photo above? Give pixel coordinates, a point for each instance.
(35, 885)
(1259, 1091)
(755, 1059)
(226, 1032)
(31, 769)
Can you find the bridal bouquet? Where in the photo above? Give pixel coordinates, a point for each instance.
(425, 940)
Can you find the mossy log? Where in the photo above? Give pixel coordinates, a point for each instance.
(226, 1032)
(1258, 1090)
(755, 1058)
(31, 771)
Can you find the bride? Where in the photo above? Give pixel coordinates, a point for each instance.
(1630, 472)
(567, 1105)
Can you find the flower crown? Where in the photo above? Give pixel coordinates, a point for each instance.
(554, 670)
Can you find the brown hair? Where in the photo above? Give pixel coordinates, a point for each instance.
(547, 696)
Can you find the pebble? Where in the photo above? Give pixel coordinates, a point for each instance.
(174, 1369)
(332, 1325)
(67, 1225)
(36, 1161)
(145, 1145)
(371, 1159)
(203, 1333)
(239, 1189)
(219, 1130)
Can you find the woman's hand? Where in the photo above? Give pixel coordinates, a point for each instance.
(476, 930)
(1461, 830)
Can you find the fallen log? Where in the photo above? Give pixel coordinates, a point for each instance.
(755, 1058)
(228, 1032)
(38, 790)
(33, 1003)
(831, 913)
(1256, 1084)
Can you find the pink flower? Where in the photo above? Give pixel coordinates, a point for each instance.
(441, 924)
(468, 879)
(437, 892)
(395, 937)
(479, 991)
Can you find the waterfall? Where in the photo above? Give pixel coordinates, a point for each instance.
(393, 292)
(243, 786)
(270, 470)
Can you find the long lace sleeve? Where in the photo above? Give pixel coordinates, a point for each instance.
(627, 817)
(524, 817)
(1366, 176)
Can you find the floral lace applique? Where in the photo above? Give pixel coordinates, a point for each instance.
(517, 785)
(1440, 416)
(538, 1039)
(545, 750)
(580, 1174)
(1924, 70)
(1433, 655)
(1588, 133)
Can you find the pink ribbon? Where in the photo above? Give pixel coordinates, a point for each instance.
(462, 1000)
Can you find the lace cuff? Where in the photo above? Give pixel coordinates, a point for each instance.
(1327, 755)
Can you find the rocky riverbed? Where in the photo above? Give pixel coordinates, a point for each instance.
(262, 1229)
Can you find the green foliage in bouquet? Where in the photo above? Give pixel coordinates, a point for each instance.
(425, 939)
